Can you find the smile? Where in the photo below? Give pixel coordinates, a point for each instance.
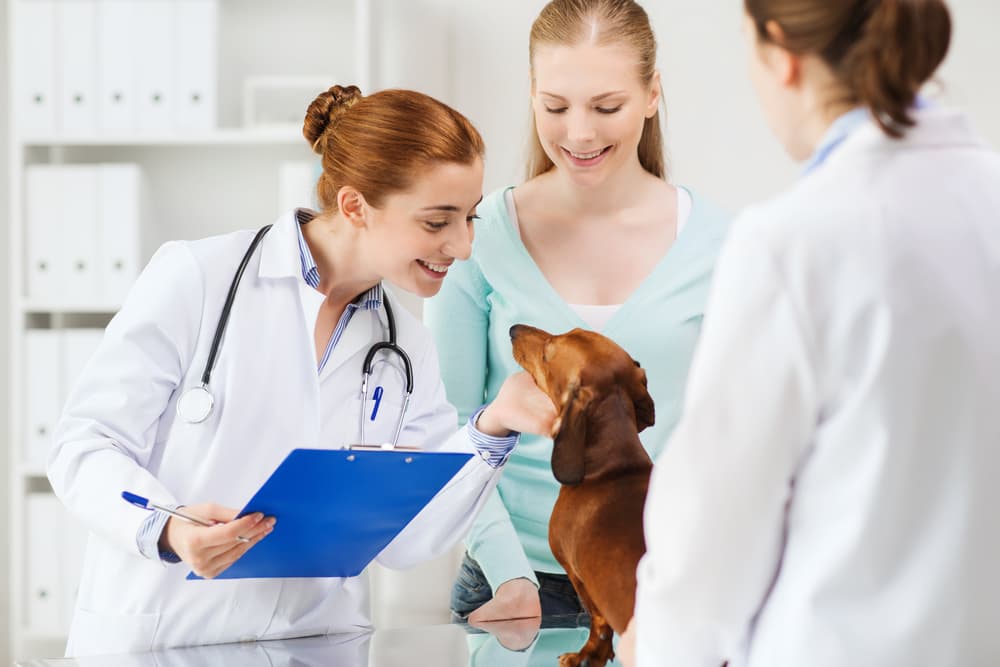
(436, 268)
(586, 158)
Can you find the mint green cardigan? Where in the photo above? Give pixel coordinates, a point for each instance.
(500, 285)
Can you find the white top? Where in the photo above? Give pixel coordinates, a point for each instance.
(596, 316)
(830, 494)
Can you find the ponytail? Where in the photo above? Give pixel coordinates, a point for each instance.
(882, 51)
(903, 43)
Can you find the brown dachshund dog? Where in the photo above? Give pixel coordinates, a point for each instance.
(596, 527)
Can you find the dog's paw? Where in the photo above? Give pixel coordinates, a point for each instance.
(571, 660)
(579, 660)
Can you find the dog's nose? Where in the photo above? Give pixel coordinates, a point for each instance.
(516, 330)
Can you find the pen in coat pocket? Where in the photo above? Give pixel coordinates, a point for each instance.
(377, 399)
(146, 504)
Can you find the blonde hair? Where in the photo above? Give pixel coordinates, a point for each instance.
(571, 22)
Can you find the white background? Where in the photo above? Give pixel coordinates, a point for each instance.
(473, 54)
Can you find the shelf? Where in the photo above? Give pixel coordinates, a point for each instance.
(41, 308)
(32, 470)
(219, 137)
(44, 636)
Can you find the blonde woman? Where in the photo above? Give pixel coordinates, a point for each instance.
(596, 237)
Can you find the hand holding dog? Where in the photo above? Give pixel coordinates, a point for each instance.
(519, 406)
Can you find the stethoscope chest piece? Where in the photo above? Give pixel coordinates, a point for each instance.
(195, 404)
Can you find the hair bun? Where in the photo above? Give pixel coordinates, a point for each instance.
(324, 112)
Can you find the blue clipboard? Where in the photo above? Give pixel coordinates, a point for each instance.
(337, 509)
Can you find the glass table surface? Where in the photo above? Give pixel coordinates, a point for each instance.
(500, 644)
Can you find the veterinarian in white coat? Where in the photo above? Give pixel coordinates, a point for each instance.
(288, 375)
(830, 494)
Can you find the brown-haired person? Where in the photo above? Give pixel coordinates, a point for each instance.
(596, 237)
(830, 495)
(402, 176)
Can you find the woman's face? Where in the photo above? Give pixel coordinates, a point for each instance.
(590, 107)
(416, 234)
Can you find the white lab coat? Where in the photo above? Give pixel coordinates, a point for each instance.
(120, 432)
(830, 494)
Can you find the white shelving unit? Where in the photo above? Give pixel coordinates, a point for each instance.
(198, 183)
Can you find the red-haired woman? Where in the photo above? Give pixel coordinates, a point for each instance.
(402, 176)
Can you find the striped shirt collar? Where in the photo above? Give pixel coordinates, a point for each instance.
(370, 300)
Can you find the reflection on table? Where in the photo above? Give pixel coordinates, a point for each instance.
(521, 644)
(503, 644)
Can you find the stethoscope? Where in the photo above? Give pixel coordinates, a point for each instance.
(196, 403)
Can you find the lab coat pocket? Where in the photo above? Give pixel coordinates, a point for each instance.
(96, 633)
(380, 415)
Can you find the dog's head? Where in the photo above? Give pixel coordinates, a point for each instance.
(583, 373)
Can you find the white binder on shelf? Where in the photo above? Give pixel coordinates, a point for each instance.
(78, 257)
(154, 30)
(77, 346)
(42, 392)
(44, 591)
(117, 81)
(74, 534)
(76, 61)
(43, 213)
(34, 54)
(119, 224)
(195, 55)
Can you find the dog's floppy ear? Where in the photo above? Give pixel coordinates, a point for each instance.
(642, 402)
(570, 433)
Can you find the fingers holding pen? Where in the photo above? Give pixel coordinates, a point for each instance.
(218, 563)
(209, 550)
(228, 543)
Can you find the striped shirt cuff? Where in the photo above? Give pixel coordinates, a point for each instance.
(494, 450)
(148, 537)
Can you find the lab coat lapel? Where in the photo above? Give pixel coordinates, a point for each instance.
(279, 256)
(363, 330)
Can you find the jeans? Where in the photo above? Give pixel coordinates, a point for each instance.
(471, 591)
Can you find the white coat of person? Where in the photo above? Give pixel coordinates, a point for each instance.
(395, 205)
(830, 494)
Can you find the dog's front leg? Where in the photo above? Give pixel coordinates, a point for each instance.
(597, 651)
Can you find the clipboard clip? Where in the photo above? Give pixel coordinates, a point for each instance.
(385, 446)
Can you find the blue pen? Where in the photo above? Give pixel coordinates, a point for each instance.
(145, 504)
(377, 398)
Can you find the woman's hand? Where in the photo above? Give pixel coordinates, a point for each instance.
(519, 406)
(625, 652)
(514, 635)
(517, 598)
(209, 550)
